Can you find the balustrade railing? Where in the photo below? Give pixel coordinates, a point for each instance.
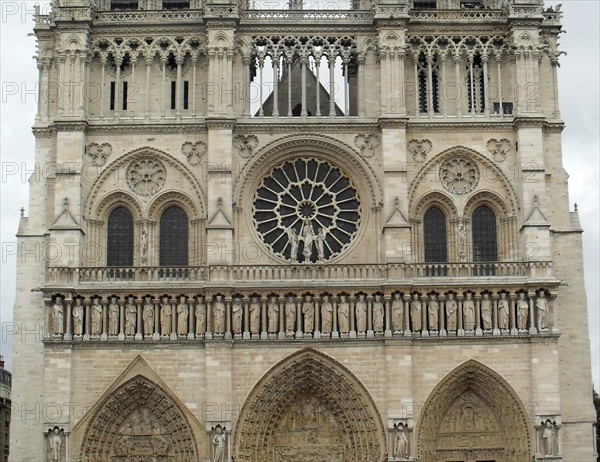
(159, 16)
(257, 274)
(466, 15)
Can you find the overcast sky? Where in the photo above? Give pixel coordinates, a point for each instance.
(580, 104)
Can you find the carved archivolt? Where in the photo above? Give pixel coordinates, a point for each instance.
(311, 408)
(139, 421)
(473, 413)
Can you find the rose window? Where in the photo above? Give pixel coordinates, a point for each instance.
(459, 175)
(146, 176)
(306, 210)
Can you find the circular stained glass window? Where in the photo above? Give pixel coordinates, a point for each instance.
(306, 210)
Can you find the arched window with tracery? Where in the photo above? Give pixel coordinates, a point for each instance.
(119, 243)
(173, 237)
(485, 240)
(434, 236)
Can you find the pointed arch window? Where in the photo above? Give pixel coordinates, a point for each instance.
(485, 240)
(434, 236)
(173, 237)
(119, 244)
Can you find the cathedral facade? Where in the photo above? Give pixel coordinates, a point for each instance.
(283, 233)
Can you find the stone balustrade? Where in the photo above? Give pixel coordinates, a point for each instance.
(468, 15)
(216, 314)
(298, 274)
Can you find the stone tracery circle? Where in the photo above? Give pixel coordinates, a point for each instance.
(306, 210)
(459, 175)
(146, 176)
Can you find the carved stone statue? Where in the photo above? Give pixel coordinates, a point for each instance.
(290, 314)
(78, 317)
(58, 316)
(469, 312)
(308, 236)
(451, 312)
(486, 312)
(360, 310)
(218, 442)
(548, 435)
(462, 243)
(343, 313)
(148, 316)
(401, 443)
(415, 312)
(237, 311)
(503, 312)
(326, 315)
(144, 244)
(308, 310)
(200, 312)
(397, 313)
(293, 238)
(320, 240)
(522, 311)
(254, 310)
(433, 311)
(273, 314)
(219, 315)
(165, 317)
(541, 305)
(378, 311)
(96, 317)
(113, 316)
(183, 312)
(130, 317)
(55, 439)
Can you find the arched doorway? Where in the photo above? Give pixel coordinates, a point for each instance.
(139, 421)
(309, 408)
(473, 415)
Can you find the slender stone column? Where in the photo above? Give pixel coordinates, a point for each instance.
(388, 316)
(104, 302)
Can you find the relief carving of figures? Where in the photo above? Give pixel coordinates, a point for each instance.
(378, 314)
(113, 317)
(326, 315)
(130, 317)
(401, 443)
(200, 312)
(541, 306)
(148, 316)
(503, 312)
(58, 316)
(182, 316)
(96, 317)
(343, 313)
(486, 312)
(254, 310)
(237, 313)
(273, 314)
(548, 438)
(451, 312)
(397, 312)
(290, 314)
(360, 310)
(433, 311)
(415, 312)
(219, 315)
(55, 440)
(218, 442)
(78, 317)
(308, 310)
(165, 317)
(469, 312)
(522, 311)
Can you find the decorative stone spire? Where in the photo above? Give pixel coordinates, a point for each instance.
(22, 210)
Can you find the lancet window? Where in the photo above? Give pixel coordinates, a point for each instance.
(303, 77)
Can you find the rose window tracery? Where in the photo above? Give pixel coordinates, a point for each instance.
(306, 210)
(146, 176)
(459, 175)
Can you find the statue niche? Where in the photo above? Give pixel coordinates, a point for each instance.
(309, 432)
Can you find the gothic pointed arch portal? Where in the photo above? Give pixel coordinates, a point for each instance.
(474, 415)
(309, 408)
(138, 422)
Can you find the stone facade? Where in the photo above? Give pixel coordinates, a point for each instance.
(5, 408)
(260, 235)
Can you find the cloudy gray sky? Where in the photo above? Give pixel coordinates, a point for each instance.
(580, 104)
